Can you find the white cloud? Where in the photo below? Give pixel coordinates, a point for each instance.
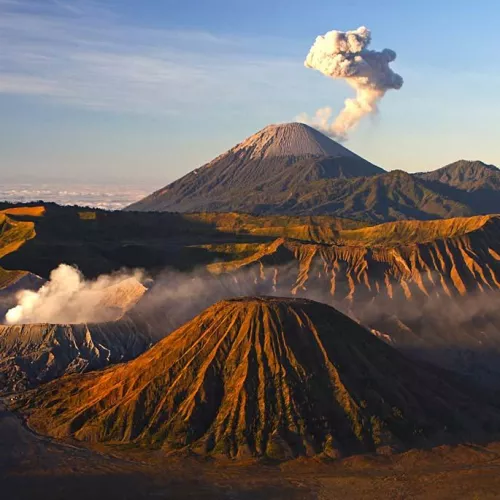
(80, 54)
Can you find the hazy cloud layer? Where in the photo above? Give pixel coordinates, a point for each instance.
(109, 197)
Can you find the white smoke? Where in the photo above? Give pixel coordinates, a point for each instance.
(68, 298)
(344, 55)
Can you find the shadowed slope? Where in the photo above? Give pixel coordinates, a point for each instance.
(473, 183)
(264, 376)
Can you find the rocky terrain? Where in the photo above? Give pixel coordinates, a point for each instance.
(31, 354)
(429, 288)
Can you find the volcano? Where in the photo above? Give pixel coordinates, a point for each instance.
(265, 377)
(263, 170)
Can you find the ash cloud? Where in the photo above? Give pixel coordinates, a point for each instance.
(345, 56)
(68, 298)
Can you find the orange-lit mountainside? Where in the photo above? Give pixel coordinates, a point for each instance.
(428, 288)
(266, 376)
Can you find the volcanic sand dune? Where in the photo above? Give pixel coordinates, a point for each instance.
(265, 376)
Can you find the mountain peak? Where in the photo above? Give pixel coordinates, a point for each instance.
(261, 173)
(291, 139)
(466, 175)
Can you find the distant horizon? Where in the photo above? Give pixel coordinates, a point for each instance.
(146, 181)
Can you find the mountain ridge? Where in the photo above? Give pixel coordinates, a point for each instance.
(276, 159)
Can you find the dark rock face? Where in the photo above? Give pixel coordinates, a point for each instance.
(36, 353)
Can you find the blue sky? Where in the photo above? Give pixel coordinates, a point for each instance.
(145, 91)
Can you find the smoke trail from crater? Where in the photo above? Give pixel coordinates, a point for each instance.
(344, 56)
(69, 298)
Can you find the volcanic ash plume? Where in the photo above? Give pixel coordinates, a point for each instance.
(344, 55)
(68, 298)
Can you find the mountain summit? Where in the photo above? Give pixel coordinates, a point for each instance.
(466, 175)
(265, 170)
(291, 139)
(268, 377)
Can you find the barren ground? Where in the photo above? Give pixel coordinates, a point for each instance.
(32, 466)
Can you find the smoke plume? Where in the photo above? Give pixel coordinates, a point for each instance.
(344, 55)
(68, 298)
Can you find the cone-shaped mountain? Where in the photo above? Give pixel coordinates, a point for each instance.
(294, 169)
(271, 163)
(266, 377)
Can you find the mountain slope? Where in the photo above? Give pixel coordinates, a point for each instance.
(268, 165)
(265, 376)
(472, 183)
(386, 197)
(430, 288)
(294, 169)
(466, 175)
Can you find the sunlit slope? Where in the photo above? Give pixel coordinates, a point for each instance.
(13, 234)
(435, 297)
(265, 376)
(428, 287)
(99, 242)
(451, 256)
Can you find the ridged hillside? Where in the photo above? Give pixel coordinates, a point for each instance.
(429, 288)
(266, 377)
(452, 256)
(34, 353)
